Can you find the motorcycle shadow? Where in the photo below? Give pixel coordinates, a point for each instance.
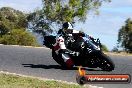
(55, 67)
(47, 66)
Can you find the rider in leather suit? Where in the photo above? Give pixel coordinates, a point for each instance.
(60, 45)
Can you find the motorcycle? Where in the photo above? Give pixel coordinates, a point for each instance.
(86, 52)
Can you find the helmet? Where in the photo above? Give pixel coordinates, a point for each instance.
(67, 25)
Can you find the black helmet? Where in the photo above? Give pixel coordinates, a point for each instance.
(67, 25)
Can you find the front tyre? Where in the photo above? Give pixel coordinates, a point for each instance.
(106, 64)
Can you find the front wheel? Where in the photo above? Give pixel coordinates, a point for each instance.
(106, 64)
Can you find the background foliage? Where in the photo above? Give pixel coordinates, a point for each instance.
(104, 48)
(13, 25)
(55, 12)
(18, 37)
(125, 36)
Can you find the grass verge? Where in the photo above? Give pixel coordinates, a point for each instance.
(15, 81)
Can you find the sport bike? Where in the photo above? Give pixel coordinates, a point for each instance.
(83, 50)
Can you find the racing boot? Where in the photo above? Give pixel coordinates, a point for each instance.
(68, 61)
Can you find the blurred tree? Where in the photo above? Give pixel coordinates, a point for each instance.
(104, 48)
(115, 49)
(13, 25)
(55, 12)
(11, 19)
(70, 10)
(3, 28)
(125, 36)
(19, 37)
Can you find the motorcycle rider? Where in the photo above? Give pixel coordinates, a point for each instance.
(60, 46)
(60, 49)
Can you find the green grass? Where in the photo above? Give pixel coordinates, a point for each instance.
(13, 81)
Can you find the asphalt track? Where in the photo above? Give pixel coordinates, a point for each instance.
(38, 62)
